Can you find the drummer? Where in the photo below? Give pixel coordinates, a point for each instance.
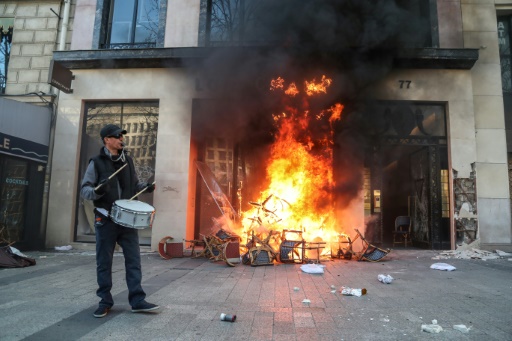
(97, 186)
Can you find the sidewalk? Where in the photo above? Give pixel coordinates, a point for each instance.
(55, 299)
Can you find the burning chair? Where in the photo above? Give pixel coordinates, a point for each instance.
(297, 250)
(291, 250)
(369, 252)
(260, 252)
(216, 247)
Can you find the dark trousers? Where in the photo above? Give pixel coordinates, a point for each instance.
(108, 234)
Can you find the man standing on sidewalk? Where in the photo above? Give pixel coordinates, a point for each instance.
(97, 186)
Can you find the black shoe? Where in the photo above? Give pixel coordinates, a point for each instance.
(102, 311)
(144, 306)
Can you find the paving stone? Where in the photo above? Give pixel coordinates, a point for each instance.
(194, 292)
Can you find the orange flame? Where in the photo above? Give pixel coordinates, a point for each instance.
(314, 88)
(300, 172)
(276, 83)
(292, 90)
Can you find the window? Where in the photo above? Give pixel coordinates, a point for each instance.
(346, 23)
(14, 182)
(504, 28)
(6, 29)
(504, 48)
(123, 114)
(235, 22)
(133, 24)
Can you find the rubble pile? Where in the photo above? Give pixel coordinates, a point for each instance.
(472, 251)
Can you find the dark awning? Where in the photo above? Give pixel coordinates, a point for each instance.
(420, 58)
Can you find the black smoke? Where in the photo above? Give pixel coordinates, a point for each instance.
(354, 42)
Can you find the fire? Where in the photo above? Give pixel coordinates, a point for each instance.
(313, 88)
(300, 171)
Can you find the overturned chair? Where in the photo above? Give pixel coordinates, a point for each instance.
(369, 251)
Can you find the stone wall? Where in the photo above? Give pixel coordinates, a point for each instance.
(35, 37)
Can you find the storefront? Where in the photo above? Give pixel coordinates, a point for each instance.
(24, 136)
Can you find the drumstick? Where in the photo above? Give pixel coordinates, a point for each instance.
(110, 177)
(145, 188)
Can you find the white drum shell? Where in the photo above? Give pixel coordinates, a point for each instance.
(132, 213)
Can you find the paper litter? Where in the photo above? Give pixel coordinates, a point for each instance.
(432, 328)
(461, 328)
(386, 279)
(63, 248)
(352, 291)
(313, 268)
(442, 266)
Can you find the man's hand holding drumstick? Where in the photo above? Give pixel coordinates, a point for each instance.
(104, 186)
(149, 188)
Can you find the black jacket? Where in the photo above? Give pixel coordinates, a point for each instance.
(126, 180)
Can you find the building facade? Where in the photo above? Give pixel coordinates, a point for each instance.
(30, 31)
(425, 133)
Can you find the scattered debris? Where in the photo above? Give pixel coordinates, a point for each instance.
(386, 279)
(461, 328)
(352, 291)
(306, 302)
(10, 257)
(432, 328)
(295, 288)
(227, 317)
(313, 268)
(63, 248)
(472, 251)
(442, 266)
(503, 253)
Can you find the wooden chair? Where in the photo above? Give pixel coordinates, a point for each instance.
(213, 248)
(260, 251)
(369, 252)
(402, 231)
(291, 249)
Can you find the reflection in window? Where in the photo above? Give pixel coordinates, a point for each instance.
(6, 29)
(133, 23)
(445, 193)
(13, 190)
(505, 56)
(259, 22)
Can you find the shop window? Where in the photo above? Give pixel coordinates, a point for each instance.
(445, 193)
(97, 115)
(505, 56)
(504, 32)
(263, 22)
(6, 30)
(133, 23)
(13, 190)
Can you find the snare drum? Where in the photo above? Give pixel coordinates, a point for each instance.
(132, 213)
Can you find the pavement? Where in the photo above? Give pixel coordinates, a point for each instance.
(55, 300)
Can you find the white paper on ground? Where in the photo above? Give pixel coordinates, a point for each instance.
(443, 266)
(313, 268)
(63, 248)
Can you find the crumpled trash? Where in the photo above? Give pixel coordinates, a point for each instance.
(353, 291)
(386, 279)
(17, 252)
(63, 248)
(313, 268)
(461, 328)
(432, 328)
(443, 266)
(306, 302)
